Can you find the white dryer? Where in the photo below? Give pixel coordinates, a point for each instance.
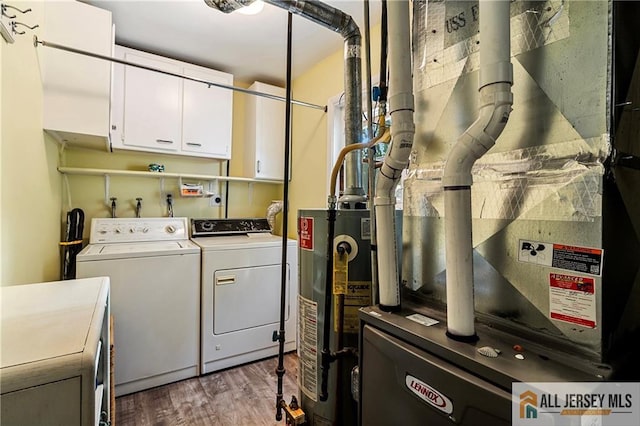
(241, 283)
(155, 297)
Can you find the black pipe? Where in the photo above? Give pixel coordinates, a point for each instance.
(328, 292)
(383, 53)
(285, 217)
(342, 251)
(226, 193)
(338, 21)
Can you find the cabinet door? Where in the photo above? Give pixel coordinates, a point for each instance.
(55, 403)
(269, 134)
(207, 115)
(152, 105)
(76, 88)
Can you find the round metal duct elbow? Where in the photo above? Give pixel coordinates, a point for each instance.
(228, 6)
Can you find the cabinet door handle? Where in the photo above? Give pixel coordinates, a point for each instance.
(194, 144)
(258, 166)
(164, 141)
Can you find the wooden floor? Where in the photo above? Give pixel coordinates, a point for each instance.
(244, 395)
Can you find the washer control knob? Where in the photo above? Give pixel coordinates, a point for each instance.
(170, 229)
(145, 230)
(132, 230)
(118, 231)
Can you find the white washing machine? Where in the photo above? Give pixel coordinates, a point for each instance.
(155, 297)
(241, 282)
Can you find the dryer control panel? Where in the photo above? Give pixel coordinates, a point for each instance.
(126, 230)
(214, 227)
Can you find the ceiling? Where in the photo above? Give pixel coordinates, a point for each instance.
(249, 47)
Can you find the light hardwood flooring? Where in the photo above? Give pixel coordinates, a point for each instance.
(245, 395)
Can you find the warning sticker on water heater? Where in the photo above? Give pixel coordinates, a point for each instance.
(308, 347)
(584, 260)
(305, 233)
(572, 299)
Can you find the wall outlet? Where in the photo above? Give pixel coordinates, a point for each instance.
(215, 200)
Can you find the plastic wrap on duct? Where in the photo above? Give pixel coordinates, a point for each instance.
(548, 180)
(450, 45)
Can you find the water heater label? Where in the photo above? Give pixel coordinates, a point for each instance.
(584, 260)
(308, 347)
(572, 299)
(305, 233)
(340, 273)
(428, 394)
(358, 295)
(365, 228)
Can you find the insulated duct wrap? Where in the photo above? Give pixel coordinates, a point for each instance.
(544, 185)
(341, 23)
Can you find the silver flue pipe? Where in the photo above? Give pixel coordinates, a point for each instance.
(496, 99)
(338, 21)
(402, 132)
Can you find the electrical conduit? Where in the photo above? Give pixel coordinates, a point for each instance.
(496, 99)
(397, 158)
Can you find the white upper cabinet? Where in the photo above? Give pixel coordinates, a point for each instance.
(207, 114)
(156, 112)
(264, 134)
(152, 105)
(76, 88)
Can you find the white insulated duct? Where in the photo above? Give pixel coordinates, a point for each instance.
(397, 158)
(496, 99)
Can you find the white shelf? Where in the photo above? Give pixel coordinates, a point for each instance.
(160, 175)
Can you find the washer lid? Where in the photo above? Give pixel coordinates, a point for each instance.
(144, 249)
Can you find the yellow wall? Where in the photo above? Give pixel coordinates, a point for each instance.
(35, 198)
(88, 192)
(30, 195)
(1, 180)
(308, 187)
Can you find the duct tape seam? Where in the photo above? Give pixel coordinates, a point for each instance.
(561, 182)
